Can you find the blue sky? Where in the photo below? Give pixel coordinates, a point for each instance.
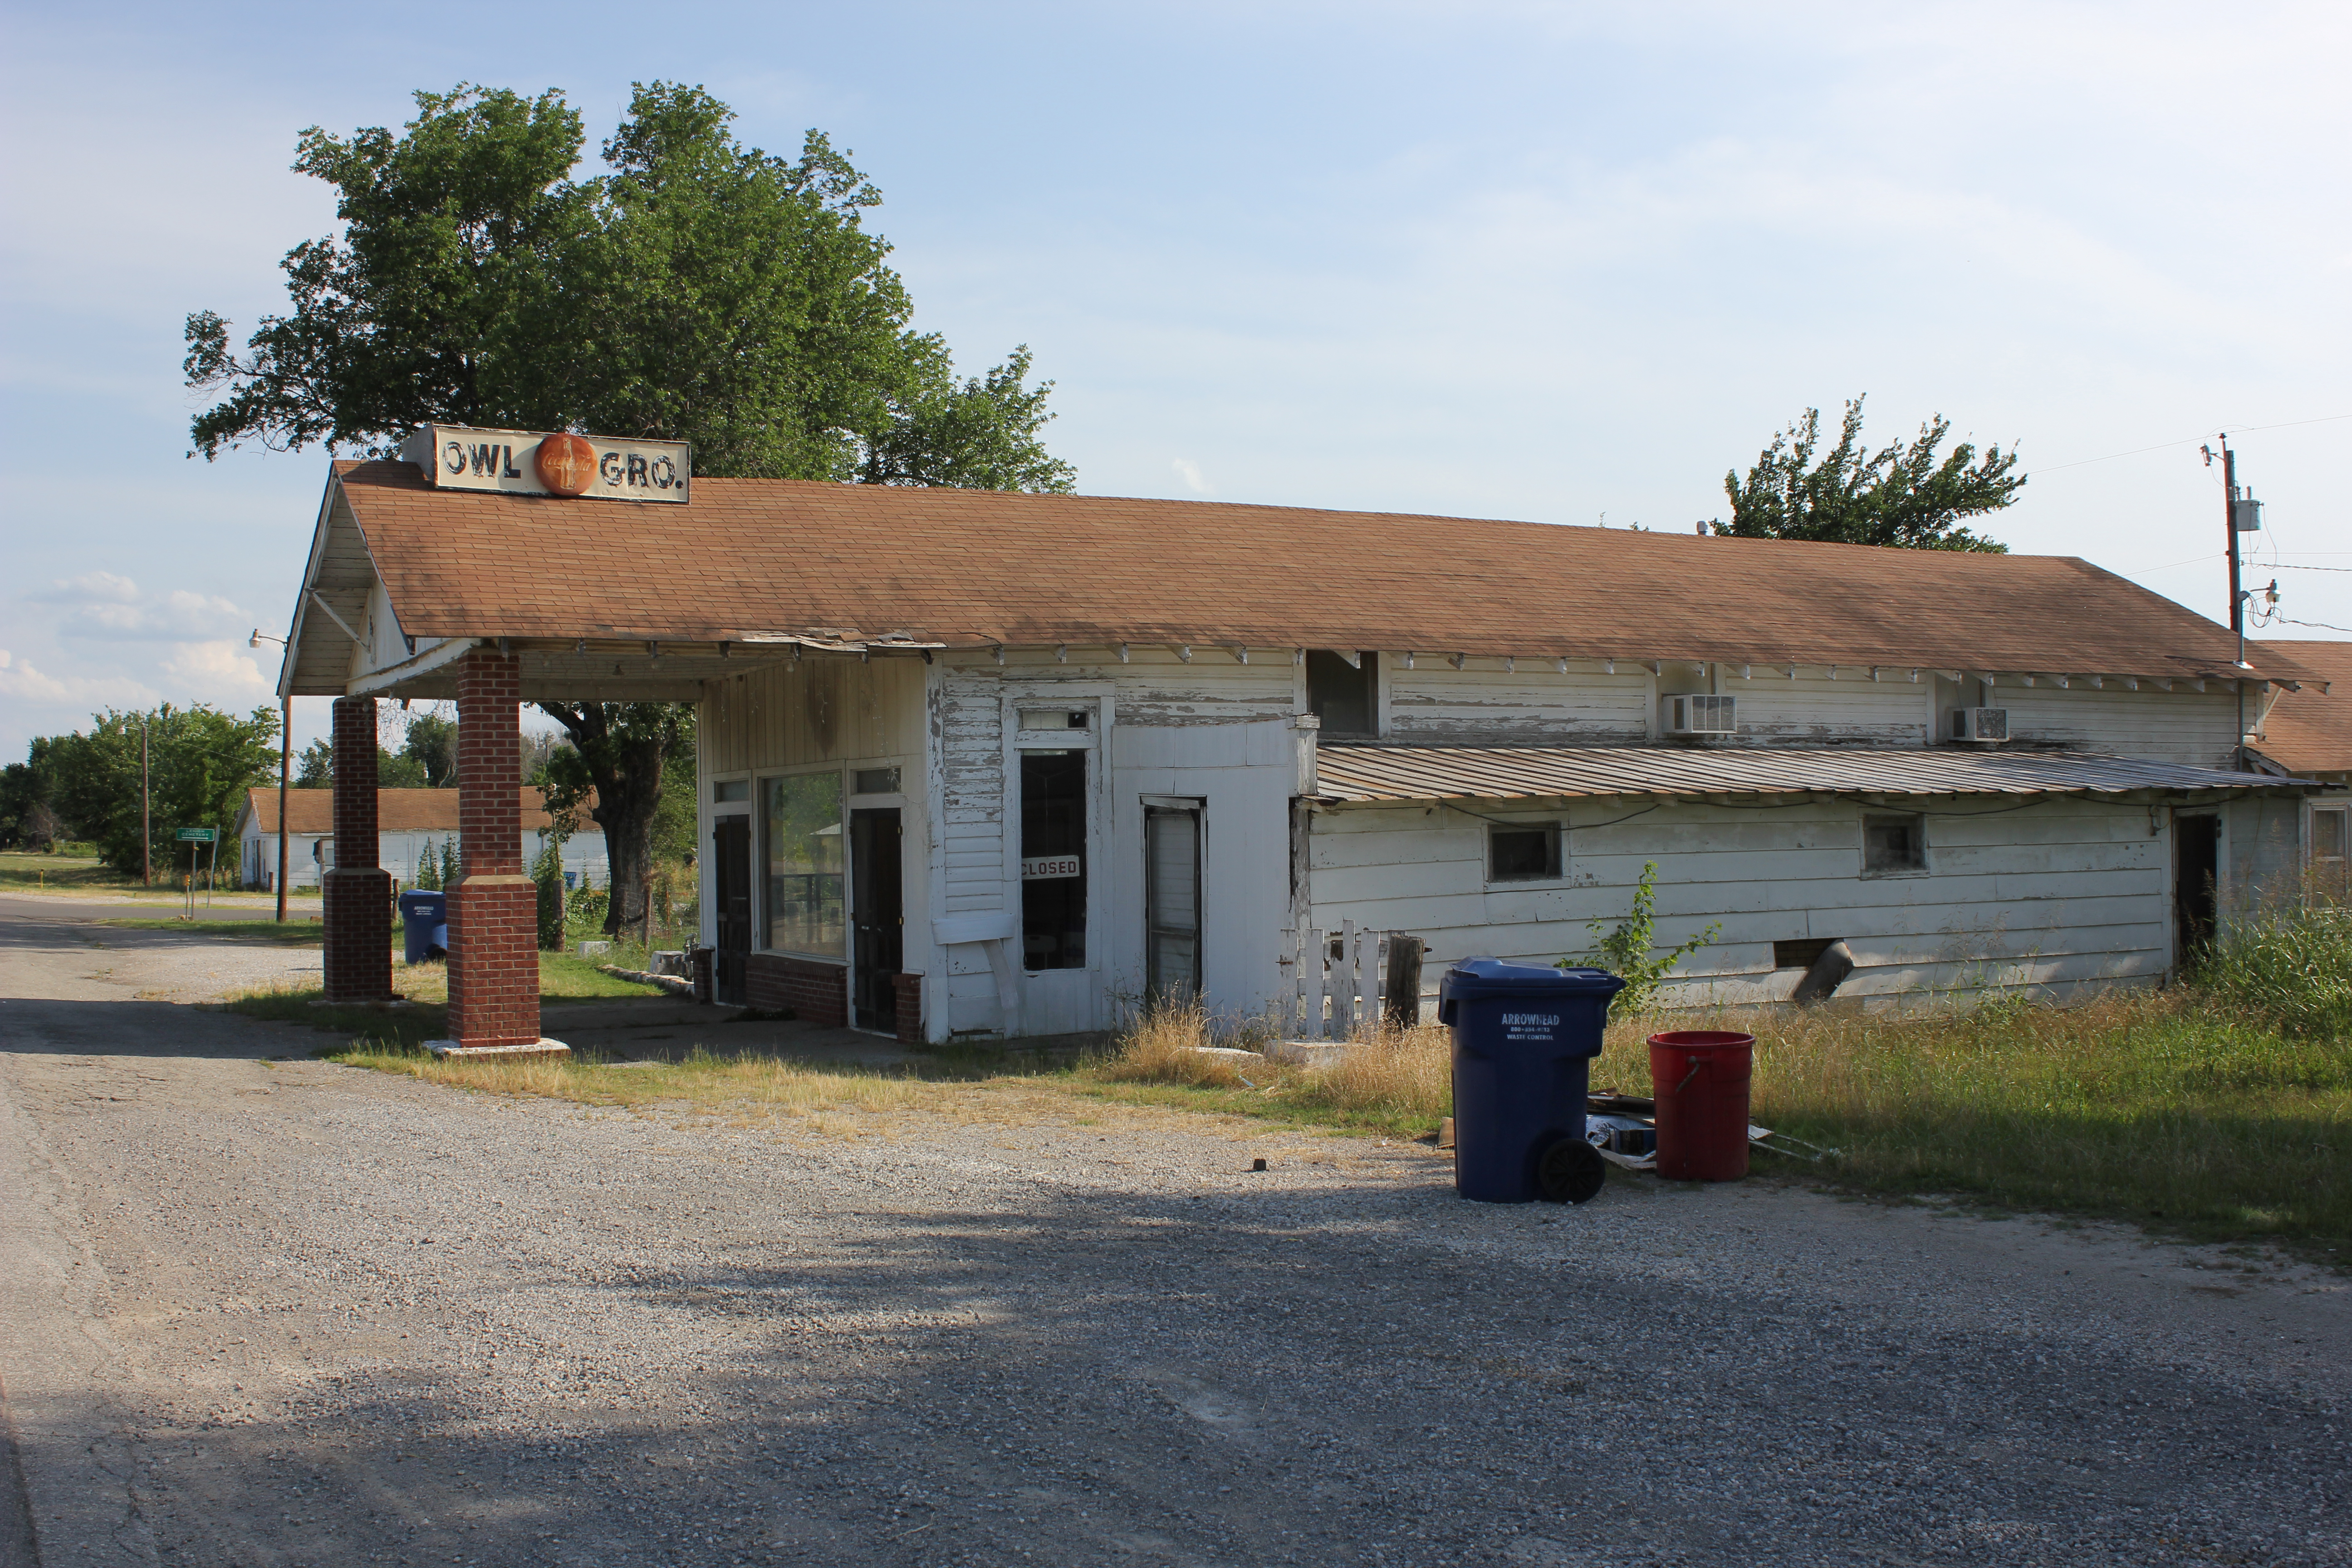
(1547, 261)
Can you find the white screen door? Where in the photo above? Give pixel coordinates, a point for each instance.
(1171, 898)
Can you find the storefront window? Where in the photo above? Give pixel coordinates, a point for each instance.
(804, 865)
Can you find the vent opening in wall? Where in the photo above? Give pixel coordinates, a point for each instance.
(1700, 714)
(1799, 952)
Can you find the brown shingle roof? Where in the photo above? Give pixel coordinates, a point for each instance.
(971, 568)
(2310, 730)
(397, 810)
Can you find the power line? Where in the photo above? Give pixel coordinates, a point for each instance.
(2323, 625)
(2160, 445)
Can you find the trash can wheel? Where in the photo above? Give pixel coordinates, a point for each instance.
(1571, 1172)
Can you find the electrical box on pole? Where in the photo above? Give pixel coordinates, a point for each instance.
(2245, 515)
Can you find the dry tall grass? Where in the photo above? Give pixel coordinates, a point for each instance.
(2175, 1106)
(1169, 1045)
(701, 1080)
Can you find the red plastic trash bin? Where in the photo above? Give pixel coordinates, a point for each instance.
(1699, 1078)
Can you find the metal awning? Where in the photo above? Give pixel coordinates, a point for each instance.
(1360, 774)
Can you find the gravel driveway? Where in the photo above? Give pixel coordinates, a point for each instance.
(281, 1312)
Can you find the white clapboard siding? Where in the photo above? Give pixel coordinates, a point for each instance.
(1481, 704)
(2262, 853)
(972, 772)
(2183, 725)
(818, 709)
(1814, 710)
(2066, 891)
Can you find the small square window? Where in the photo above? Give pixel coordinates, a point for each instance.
(725, 790)
(2327, 835)
(1523, 852)
(875, 781)
(1343, 691)
(1893, 843)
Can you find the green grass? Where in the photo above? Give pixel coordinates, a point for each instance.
(74, 873)
(2186, 1113)
(2178, 1111)
(742, 1086)
(426, 987)
(302, 931)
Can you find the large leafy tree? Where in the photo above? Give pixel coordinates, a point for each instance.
(1904, 495)
(200, 762)
(701, 290)
(627, 752)
(696, 290)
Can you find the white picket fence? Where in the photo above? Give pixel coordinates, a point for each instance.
(1336, 979)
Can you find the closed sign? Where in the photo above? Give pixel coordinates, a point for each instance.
(1051, 867)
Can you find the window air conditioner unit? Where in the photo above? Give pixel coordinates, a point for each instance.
(1983, 725)
(1700, 716)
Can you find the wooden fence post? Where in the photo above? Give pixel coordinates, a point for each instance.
(1310, 983)
(1403, 1006)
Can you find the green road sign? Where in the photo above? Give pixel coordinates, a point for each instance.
(198, 835)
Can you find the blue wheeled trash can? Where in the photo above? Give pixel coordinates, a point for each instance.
(424, 925)
(1523, 1039)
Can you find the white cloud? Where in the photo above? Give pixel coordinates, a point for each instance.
(92, 588)
(220, 671)
(110, 605)
(23, 682)
(1194, 480)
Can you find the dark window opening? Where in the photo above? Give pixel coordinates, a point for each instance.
(1344, 696)
(2196, 884)
(874, 781)
(1893, 843)
(1054, 859)
(1528, 853)
(1800, 953)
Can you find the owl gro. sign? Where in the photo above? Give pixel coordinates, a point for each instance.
(524, 462)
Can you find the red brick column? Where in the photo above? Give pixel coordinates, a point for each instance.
(909, 990)
(493, 907)
(357, 895)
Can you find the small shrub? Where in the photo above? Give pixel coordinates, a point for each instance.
(1626, 951)
(547, 872)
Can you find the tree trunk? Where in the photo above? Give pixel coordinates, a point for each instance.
(623, 747)
(628, 824)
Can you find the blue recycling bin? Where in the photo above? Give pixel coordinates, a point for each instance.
(1523, 1039)
(424, 925)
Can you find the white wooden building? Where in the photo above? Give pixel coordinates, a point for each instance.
(411, 825)
(1085, 749)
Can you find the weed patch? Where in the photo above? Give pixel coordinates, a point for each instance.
(2181, 1112)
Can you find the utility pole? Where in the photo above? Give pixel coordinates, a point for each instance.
(2240, 516)
(2230, 523)
(285, 770)
(285, 767)
(146, 827)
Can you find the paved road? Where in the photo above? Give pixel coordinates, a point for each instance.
(118, 907)
(279, 1312)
